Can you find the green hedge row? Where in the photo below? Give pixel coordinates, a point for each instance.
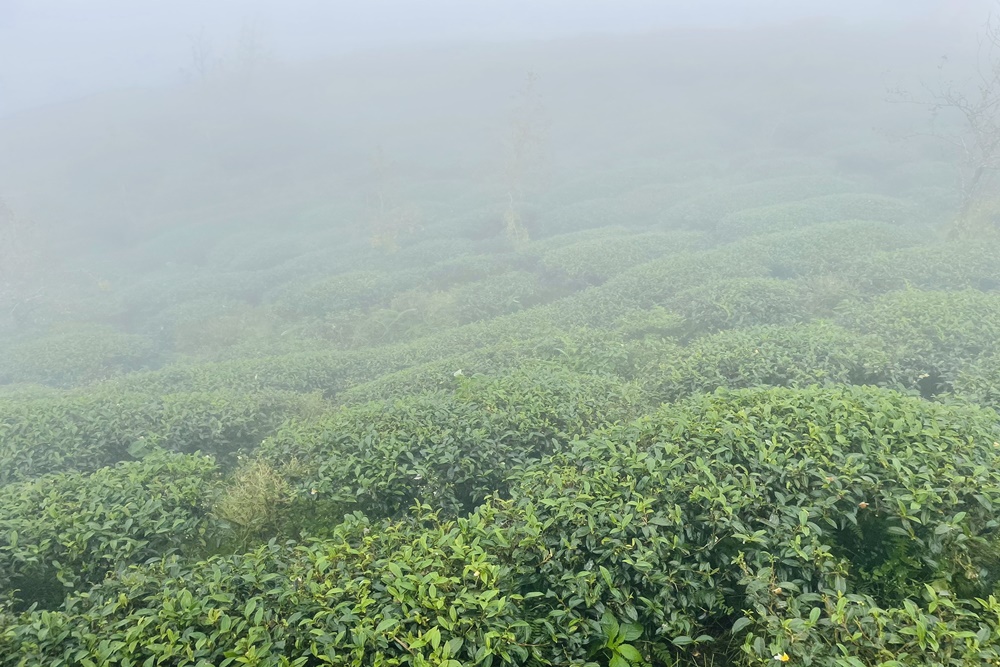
(449, 450)
(63, 533)
(88, 431)
(729, 529)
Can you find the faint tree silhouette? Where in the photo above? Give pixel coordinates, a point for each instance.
(527, 132)
(965, 117)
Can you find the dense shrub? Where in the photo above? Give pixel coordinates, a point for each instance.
(372, 594)
(658, 281)
(789, 216)
(938, 266)
(979, 382)
(358, 290)
(816, 524)
(422, 312)
(932, 335)
(64, 532)
(594, 260)
(743, 525)
(449, 450)
(814, 353)
(846, 248)
(708, 209)
(89, 430)
(76, 356)
(742, 302)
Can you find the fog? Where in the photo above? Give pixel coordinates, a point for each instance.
(549, 332)
(124, 121)
(53, 51)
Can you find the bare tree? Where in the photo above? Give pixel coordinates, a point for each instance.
(965, 116)
(252, 52)
(527, 131)
(202, 54)
(388, 219)
(19, 262)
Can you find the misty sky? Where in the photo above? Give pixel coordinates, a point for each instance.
(55, 50)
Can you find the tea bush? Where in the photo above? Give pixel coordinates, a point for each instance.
(737, 303)
(371, 594)
(979, 382)
(76, 356)
(448, 450)
(87, 431)
(358, 290)
(933, 335)
(844, 248)
(939, 266)
(65, 532)
(593, 261)
(818, 352)
(708, 209)
(785, 217)
(659, 281)
(741, 525)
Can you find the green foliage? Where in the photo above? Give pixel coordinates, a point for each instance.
(715, 523)
(87, 431)
(252, 501)
(932, 335)
(480, 449)
(448, 450)
(594, 260)
(940, 266)
(842, 248)
(657, 282)
(706, 210)
(369, 595)
(65, 532)
(738, 303)
(979, 382)
(789, 216)
(818, 352)
(358, 290)
(76, 356)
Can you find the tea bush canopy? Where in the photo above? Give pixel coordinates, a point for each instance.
(350, 363)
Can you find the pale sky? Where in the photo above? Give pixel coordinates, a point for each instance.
(55, 50)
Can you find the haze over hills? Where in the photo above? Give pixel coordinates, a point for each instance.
(659, 349)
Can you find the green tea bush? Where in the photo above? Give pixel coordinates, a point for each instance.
(586, 214)
(262, 249)
(76, 356)
(939, 266)
(449, 450)
(659, 281)
(466, 269)
(328, 372)
(932, 335)
(979, 381)
(818, 352)
(844, 248)
(372, 594)
(436, 375)
(785, 217)
(65, 532)
(595, 260)
(743, 525)
(225, 328)
(145, 297)
(421, 312)
(708, 209)
(87, 431)
(729, 529)
(738, 303)
(358, 290)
